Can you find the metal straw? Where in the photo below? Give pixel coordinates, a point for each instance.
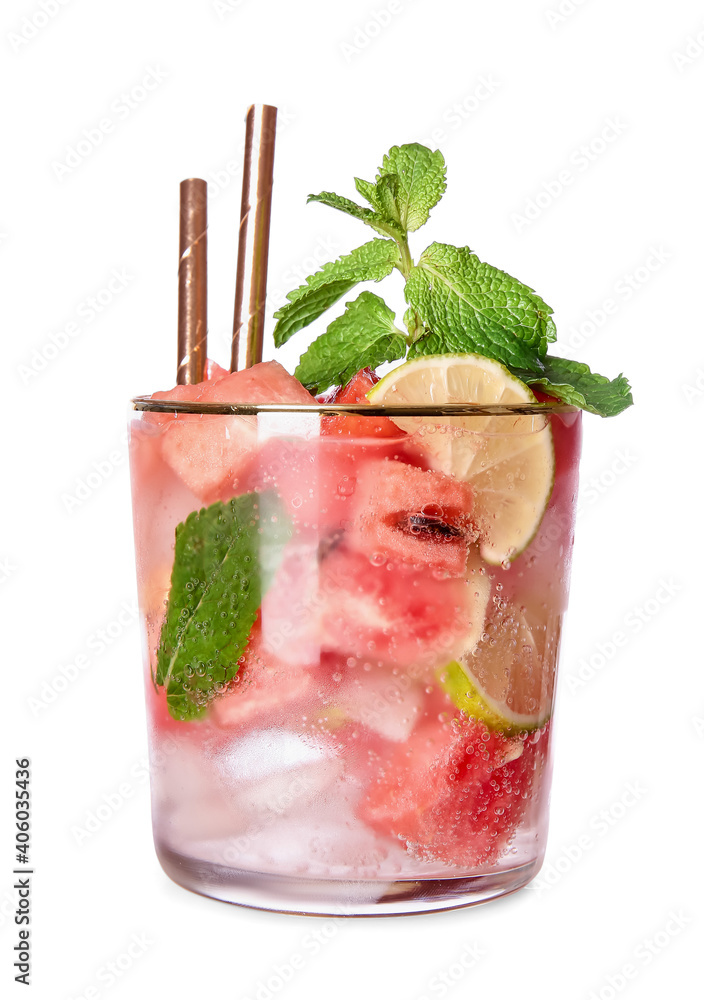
(192, 282)
(253, 247)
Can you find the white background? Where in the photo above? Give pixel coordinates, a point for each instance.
(518, 89)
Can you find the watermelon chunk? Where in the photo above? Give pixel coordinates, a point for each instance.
(397, 614)
(213, 373)
(264, 692)
(315, 476)
(412, 515)
(209, 451)
(456, 794)
(352, 424)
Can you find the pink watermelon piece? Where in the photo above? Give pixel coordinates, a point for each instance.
(392, 612)
(316, 478)
(265, 691)
(209, 451)
(266, 382)
(213, 373)
(412, 515)
(352, 424)
(456, 794)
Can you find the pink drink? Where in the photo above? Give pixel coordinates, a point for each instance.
(337, 759)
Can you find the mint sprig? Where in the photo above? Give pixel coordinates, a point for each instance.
(365, 336)
(457, 303)
(224, 558)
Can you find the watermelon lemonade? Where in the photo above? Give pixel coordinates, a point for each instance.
(353, 586)
(352, 625)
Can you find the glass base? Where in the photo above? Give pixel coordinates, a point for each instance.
(339, 897)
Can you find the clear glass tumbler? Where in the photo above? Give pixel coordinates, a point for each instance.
(351, 620)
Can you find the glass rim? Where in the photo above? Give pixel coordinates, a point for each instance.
(149, 405)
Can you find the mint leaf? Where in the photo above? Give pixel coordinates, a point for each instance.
(364, 336)
(382, 225)
(471, 306)
(385, 195)
(421, 181)
(370, 262)
(224, 557)
(457, 303)
(382, 198)
(413, 325)
(574, 383)
(366, 189)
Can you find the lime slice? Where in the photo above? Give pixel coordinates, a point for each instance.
(507, 681)
(509, 460)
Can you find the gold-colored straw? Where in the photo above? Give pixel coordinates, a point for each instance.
(253, 247)
(193, 282)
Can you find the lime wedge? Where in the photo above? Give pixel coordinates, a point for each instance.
(508, 460)
(507, 680)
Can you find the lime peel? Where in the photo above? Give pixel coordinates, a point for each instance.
(467, 695)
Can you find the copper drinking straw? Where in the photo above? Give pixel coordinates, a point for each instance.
(253, 246)
(192, 282)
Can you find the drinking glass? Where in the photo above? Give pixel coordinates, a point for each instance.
(351, 620)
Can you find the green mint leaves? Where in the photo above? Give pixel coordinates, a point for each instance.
(387, 227)
(410, 181)
(574, 383)
(457, 303)
(371, 262)
(363, 337)
(418, 179)
(224, 557)
(472, 307)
